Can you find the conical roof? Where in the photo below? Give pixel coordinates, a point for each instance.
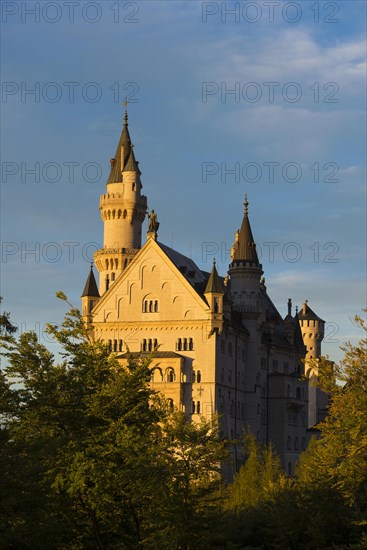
(245, 248)
(131, 165)
(90, 288)
(125, 142)
(214, 284)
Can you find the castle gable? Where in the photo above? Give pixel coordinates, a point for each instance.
(154, 288)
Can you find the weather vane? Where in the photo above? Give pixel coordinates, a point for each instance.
(125, 102)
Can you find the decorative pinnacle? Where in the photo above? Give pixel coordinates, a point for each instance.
(125, 114)
(214, 262)
(246, 204)
(91, 265)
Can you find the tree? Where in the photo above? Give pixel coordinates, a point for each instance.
(94, 457)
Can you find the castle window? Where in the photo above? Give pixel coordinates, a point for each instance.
(124, 214)
(157, 375)
(185, 344)
(144, 345)
(112, 276)
(150, 306)
(193, 407)
(289, 443)
(191, 344)
(193, 378)
(145, 305)
(179, 344)
(120, 345)
(107, 283)
(222, 346)
(115, 345)
(216, 307)
(156, 306)
(298, 393)
(275, 365)
(110, 345)
(155, 343)
(296, 444)
(170, 375)
(198, 406)
(198, 377)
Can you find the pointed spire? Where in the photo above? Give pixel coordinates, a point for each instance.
(214, 284)
(289, 306)
(131, 165)
(245, 247)
(90, 288)
(125, 145)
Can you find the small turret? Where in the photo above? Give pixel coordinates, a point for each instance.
(214, 293)
(90, 294)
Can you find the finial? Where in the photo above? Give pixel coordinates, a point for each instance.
(91, 265)
(289, 306)
(296, 310)
(306, 302)
(246, 204)
(214, 262)
(125, 114)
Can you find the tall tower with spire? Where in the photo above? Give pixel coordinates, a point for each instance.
(123, 209)
(245, 269)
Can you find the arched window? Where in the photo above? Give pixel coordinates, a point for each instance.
(120, 345)
(156, 306)
(216, 306)
(112, 276)
(289, 443)
(115, 345)
(179, 344)
(170, 375)
(150, 306)
(144, 345)
(296, 444)
(193, 378)
(198, 407)
(191, 344)
(145, 306)
(110, 345)
(298, 393)
(155, 343)
(198, 377)
(193, 407)
(185, 344)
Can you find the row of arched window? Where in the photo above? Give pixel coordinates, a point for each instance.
(196, 376)
(157, 375)
(196, 407)
(149, 344)
(186, 344)
(115, 345)
(150, 306)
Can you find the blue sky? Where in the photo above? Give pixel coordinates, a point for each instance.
(297, 73)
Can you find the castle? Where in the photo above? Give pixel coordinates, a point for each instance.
(221, 345)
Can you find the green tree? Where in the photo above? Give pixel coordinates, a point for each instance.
(94, 457)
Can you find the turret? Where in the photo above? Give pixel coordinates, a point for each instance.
(90, 295)
(214, 293)
(123, 210)
(245, 269)
(312, 328)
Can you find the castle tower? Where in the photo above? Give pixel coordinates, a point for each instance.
(312, 328)
(245, 270)
(123, 210)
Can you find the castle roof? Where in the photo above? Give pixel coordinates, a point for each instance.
(90, 287)
(125, 142)
(306, 314)
(245, 248)
(214, 284)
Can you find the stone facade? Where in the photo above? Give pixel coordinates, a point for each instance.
(221, 345)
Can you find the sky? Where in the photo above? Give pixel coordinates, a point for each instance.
(224, 98)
